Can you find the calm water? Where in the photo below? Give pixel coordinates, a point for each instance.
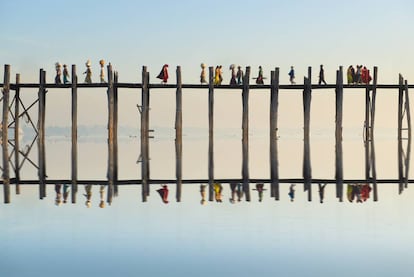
(268, 238)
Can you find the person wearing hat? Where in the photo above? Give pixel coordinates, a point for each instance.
(203, 74)
(88, 72)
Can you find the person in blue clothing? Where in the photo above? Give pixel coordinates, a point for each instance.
(292, 76)
(292, 192)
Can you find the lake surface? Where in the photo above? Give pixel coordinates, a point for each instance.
(268, 238)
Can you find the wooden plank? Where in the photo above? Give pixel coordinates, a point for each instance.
(210, 135)
(144, 134)
(111, 166)
(16, 134)
(74, 152)
(178, 135)
(245, 132)
(5, 134)
(339, 175)
(274, 162)
(41, 134)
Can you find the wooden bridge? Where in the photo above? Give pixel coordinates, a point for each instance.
(11, 115)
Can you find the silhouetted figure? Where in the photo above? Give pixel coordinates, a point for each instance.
(233, 75)
(58, 199)
(322, 75)
(163, 74)
(88, 195)
(218, 189)
(292, 75)
(65, 193)
(357, 78)
(101, 195)
(321, 192)
(240, 192)
(239, 75)
(88, 72)
(260, 189)
(203, 194)
(203, 74)
(163, 193)
(259, 79)
(350, 74)
(233, 189)
(102, 74)
(65, 74)
(58, 80)
(292, 192)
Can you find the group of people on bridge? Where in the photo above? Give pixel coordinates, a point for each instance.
(360, 75)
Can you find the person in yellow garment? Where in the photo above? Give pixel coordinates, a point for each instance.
(218, 189)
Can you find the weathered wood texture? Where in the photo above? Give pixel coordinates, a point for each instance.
(245, 132)
(41, 134)
(339, 175)
(307, 170)
(115, 137)
(74, 174)
(5, 134)
(178, 135)
(111, 127)
(274, 162)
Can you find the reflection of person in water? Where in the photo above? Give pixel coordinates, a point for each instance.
(365, 190)
(101, 194)
(203, 194)
(321, 192)
(233, 188)
(163, 193)
(88, 195)
(65, 193)
(58, 199)
(218, 189)
(240, 191)
(260, 189)
(292, 192)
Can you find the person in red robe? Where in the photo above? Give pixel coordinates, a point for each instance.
(163, 74)
(163, 193)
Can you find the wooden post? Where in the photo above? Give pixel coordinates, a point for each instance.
(41, 135)
(144, 134)
(245, 131)
(367, 133)
(307, 171)
(178, 135)
(111, 165)
(339, 176)
(74, 186)
(274, 163)
(16, 134)
(210, 135)
(400, 144)
(5, 134)
(372, 157)
(115, 137)
(408, 154)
